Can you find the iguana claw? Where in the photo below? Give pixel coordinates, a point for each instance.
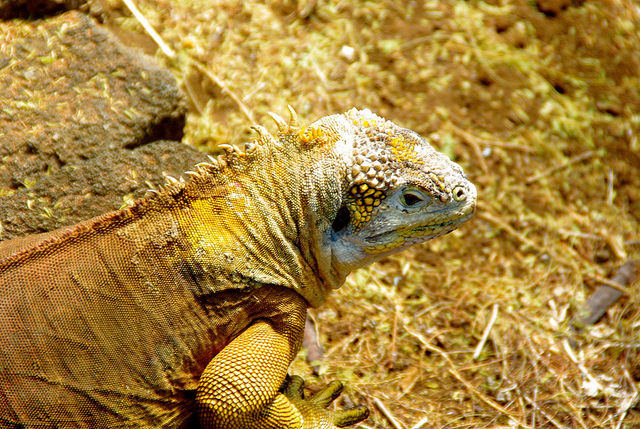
(314, 408)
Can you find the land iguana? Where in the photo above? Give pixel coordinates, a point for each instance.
(187, 307)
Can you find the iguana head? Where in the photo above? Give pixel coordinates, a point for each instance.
(396, 190)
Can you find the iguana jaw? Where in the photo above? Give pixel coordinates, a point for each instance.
(392, 229)
(417, 234)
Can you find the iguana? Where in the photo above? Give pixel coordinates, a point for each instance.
(187, 307)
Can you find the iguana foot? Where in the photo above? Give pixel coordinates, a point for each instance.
(313, 409)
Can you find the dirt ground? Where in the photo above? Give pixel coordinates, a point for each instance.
(539, 102)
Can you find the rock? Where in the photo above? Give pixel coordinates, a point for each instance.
(79, 111)
(552, 7)
(10, 9)
(91, 187)
(72, 91)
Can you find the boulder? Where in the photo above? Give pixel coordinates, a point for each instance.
(10, 9)
(78, 117)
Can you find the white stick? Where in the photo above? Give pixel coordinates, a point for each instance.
(154, 35)
(420, 423)
(385, 412)
(487, 331)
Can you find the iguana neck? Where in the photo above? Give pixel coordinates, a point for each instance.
(258, 218)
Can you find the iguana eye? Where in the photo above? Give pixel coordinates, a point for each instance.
(412, 198)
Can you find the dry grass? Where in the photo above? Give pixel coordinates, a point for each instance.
(542, 113)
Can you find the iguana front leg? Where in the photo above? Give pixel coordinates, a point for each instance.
(239, 389)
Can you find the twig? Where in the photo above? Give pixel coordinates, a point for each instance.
(595, 237)
(483, 214)
(420, 423)
(192, 95)
(535, 406)
(385, 412)
(487, 331)
(608, 292)
(415, 42)
(505, 145)
(171, 54)
(311, 342)
(610, 179)
(615, 242)
(393, 347)
(555, 168)
(226, 89)
(580, 234)
(510, 230)
(583, 369)
(456, 374)
(544, 413)
(149, 29)
(627, 403)
(473, 142)
(612, 283)
(495, 143)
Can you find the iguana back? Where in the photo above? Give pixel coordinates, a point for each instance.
(85, 323)
(192, 302)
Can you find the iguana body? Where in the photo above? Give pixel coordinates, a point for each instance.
(190, 305)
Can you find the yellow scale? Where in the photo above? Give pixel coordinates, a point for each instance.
(361, 203)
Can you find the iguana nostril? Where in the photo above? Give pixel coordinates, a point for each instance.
(459, 194)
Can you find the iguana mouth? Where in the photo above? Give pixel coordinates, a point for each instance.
(443, 225)
(414, 232)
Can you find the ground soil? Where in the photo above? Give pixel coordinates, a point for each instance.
(539, 102)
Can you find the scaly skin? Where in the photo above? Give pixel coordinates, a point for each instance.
(189, 306)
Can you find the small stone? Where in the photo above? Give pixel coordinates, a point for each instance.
(348, 53)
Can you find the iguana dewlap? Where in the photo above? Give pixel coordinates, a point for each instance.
(189, 306)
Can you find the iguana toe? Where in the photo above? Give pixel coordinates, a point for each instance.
(314, 409)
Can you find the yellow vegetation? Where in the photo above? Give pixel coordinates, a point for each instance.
(540, 109)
